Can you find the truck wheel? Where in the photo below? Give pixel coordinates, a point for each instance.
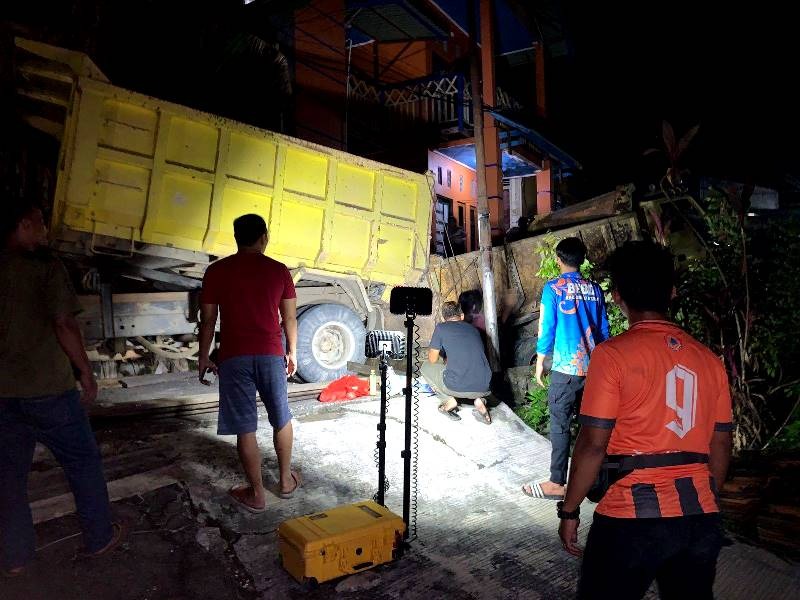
(328, 335)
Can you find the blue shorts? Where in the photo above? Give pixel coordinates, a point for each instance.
(239, 379)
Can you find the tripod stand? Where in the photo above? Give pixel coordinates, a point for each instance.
(384, 369)
(410, 302)
(383, 356)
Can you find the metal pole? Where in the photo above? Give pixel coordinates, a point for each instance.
(347, 97)
(382, 434)
(406, 454)
(484, 229)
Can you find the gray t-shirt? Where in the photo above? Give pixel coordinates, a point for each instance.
(467, 369)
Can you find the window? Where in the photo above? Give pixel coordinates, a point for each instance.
(449, 178)
(460, 183)
(474, 189)
(439, 174)
(461, 215)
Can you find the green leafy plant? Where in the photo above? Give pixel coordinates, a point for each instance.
(548, 267)
(535, 412)
(617, 321)
(742, 303)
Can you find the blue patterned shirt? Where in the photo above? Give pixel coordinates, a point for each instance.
(572, 321)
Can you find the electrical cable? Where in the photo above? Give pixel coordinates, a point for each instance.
(415, 435)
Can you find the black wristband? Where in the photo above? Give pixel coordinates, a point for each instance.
(568, 516)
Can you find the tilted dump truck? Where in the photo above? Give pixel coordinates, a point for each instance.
(146, 194)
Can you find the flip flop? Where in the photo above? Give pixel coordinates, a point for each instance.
(538, 493)
(13, 573)
(482, 417)
(298, 483)
(451, 414)
(119, 535)
(241, 503)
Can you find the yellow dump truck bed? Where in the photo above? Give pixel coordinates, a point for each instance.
(142, 170)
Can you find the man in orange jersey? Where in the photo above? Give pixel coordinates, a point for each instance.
(657, 404)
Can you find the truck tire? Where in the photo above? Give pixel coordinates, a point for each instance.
(328, 335)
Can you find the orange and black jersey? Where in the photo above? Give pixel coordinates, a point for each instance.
(661, 391)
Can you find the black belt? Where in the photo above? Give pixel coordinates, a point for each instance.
(628, 462)
(617, 466)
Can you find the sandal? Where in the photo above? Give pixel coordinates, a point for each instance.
(298, 483)
(483, 415)
(534, 490)
(119, 535)
(450, 414)
(238, 498)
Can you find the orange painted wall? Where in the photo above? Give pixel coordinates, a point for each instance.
(457, 170)
(320, 69)
(465, 194)
(414, 61)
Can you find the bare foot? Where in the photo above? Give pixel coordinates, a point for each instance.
(483, 410)
(553, 489)
(289, 488)
(545, 490)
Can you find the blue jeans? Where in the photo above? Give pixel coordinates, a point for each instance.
(60, 423)
(563, 401)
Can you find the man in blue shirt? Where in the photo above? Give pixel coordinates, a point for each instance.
(572, 321)
(465, 374)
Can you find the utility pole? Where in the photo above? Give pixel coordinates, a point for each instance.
(484, 227)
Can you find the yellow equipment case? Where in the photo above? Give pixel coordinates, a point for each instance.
(341, 541)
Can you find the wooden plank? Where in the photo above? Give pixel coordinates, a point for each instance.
(141, 483)
(743, 486)
(110, 409)
(790, 513)
(140, 380)
(53, 482)
(606, 205)
(195, 403)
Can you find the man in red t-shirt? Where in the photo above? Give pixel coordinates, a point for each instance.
(658, 405)
(252, 294)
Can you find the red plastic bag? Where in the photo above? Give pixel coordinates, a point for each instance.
(345, 388)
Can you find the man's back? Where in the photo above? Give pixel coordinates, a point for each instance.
(248, 287)
(663, 392)
(572, 320)
(467, 367)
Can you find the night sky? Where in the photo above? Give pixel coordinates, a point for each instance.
(733, 71)
(632, 64)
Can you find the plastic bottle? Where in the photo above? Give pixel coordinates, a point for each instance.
(373, 383)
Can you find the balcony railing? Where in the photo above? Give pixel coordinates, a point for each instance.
(444, 100)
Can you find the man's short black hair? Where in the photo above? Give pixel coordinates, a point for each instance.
(12, 215)
(450, 310)
(644, 275)
(471, 302)
(571, 251)
(248, 228)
